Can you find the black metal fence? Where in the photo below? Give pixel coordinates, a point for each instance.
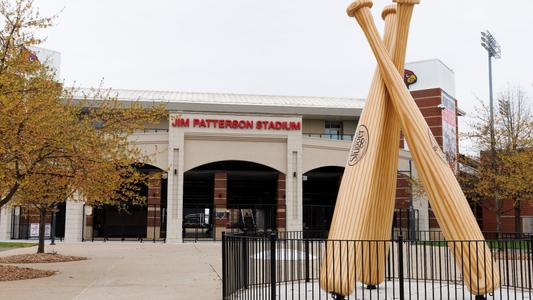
(25, 224)
(145, 223)
(287, 265)
(199, 221)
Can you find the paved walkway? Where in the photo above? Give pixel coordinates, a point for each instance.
(126, 270)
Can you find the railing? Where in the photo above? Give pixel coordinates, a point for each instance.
(285, 265)
(330, 136)
(147, 230)
(24, 219)
(240, 219)
(153, 131)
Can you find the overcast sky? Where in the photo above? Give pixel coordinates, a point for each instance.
(287, 47)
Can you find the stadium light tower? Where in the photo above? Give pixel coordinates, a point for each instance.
(494, 51)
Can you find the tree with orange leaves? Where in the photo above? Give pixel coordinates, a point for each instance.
(51, 146)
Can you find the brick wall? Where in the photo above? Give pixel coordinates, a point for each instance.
(427, 101)
(488, 222)
(403, 191)
(280, 203)
(221, 200)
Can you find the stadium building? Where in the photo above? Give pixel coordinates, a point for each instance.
(232, 162)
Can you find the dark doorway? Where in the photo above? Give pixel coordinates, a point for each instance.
(253, 192)
(163, 211)
(111, 222)
(320, 188)
(198, 213)
(250, 198)
(135, 220)
(60, 220)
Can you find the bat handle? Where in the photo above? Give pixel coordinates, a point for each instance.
(387, 10)
(357, 5)
(405, 11)
(409, 2)
(360, 10)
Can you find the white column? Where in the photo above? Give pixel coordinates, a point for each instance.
(5, 222)
(74, 221)
(293, 182)
(175, 187)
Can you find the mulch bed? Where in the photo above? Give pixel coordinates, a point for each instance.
(10, 273)
(38, 258)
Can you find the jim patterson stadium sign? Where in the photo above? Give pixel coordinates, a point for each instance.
(182, 122)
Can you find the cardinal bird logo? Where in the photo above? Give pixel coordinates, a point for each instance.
(409, 77)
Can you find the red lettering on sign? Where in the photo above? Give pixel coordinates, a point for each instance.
(179, 122)
(240, 124)
(295, 126)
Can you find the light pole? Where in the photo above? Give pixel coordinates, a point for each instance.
(494, 51)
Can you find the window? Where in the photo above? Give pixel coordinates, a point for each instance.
(333, 129)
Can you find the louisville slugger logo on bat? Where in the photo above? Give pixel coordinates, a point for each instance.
(359, 145)
(451, 208)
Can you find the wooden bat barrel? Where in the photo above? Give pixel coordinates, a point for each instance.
(446, 197)
(361, 198)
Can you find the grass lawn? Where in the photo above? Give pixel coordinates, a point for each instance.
(16, 245)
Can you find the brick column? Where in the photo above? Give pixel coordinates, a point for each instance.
(221, 200)
(153, 202)
(403, 192)
(280, 203)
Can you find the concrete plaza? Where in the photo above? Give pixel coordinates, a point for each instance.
(124, 270)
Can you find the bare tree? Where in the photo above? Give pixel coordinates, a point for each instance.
(512, 180)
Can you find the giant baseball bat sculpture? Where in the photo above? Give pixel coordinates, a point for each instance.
(446, 197)
(372, 174)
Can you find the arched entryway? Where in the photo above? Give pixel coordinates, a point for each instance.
(320, 188)
(134, 221)
(236, 196)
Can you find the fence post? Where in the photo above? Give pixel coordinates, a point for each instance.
(306, 260)
(530, 259)
(400, 266)
(246, 257)
(224, 262)
(273, 238)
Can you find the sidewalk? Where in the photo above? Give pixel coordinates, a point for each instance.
(124, 270)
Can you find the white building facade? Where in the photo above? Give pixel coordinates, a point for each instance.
(233, 162)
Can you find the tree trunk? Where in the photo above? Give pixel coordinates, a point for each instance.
(42, 219)
(9, 195)
(518, 219)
